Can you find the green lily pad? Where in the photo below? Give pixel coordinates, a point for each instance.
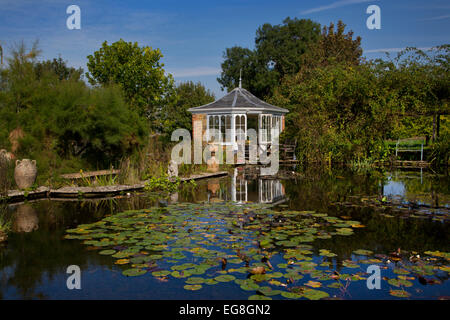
(107, 252)
(225, 278)
(193, 287)
(134, 272)
(259, 297)
(399, 293)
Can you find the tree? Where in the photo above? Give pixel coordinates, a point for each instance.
(63, 121)
(137, 70)
(187, 95)
(58, 67)
(339, 112)
(333, 47)
(278, 52)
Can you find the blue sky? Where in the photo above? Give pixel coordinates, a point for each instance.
(192, 35)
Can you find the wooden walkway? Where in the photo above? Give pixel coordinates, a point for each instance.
(90, 174)
(91, 192)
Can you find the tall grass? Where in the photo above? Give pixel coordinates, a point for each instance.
(6, 176)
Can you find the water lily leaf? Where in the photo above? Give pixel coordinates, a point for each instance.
(225, 278)
(161, 273)
(400, 282)
(291, 295)
(195, 280)
(399, 293)
(363, 252)
(249, 286)
(313, 284)
(107, 252)
(259, 297)
(313, 294)
(122, 261)
(193, 287)
(134, 272)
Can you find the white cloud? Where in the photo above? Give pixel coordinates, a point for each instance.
(195, 72)
(334, 5)
(436, 18)
(382, 50)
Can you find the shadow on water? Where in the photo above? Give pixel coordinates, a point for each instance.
(33, 263)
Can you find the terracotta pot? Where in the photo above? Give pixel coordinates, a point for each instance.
(26, 219)
(25, 173)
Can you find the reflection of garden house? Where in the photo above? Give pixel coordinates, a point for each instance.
(236, 113)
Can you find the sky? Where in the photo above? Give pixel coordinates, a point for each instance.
(192, 35)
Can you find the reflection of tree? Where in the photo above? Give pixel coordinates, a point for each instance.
(320, 188)
(30, 259)
(384, 235)
(430, 189)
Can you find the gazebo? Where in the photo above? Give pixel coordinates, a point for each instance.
(237, 112)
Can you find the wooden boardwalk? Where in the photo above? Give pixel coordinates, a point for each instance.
(90, 174)
(92, 192)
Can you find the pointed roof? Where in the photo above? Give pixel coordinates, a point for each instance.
(238, 101)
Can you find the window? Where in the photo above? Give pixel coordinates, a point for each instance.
(266, 126)
(221, 124)
(240, 128)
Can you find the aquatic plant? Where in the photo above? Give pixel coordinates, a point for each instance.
(163, 183)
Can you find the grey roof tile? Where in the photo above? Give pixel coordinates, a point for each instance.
(238, 100)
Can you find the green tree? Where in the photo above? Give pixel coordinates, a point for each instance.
(137, 70)
(65, 123)
(58, 67)
(333, 47)
(338, 111)
(278, 52)
(187, 95)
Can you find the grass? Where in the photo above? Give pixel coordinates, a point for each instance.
(6, 177)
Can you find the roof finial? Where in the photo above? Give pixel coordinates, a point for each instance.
(240, 78)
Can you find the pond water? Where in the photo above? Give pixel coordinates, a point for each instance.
(312, 236)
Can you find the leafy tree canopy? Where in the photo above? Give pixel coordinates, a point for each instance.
(282, 50)
(137, 70)
(187, 95)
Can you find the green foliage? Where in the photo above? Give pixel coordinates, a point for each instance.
(66, 124)
(58, 67)
(6, 176)
(162, 183)
(333, 47)
(336, 109)
(440, 151)
(278, 52)
(137, 70)
(186, 95)
(343, 111)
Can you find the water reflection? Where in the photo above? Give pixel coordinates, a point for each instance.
(33, 264)
(245, 187)
(25, 219)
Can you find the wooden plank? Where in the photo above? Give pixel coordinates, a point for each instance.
(90, 174)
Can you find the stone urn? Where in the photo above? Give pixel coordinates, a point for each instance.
(25, 173)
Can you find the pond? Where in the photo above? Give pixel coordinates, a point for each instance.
(238, 237)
